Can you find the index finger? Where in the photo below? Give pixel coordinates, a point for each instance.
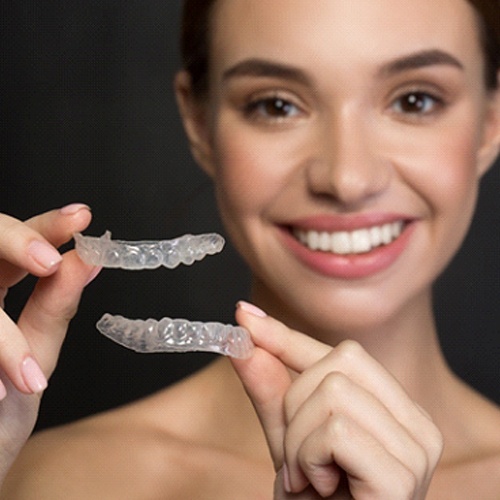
(24, 247)
(30, 247)
(296, 350)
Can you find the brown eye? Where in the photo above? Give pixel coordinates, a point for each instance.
(272, 108)
(278, 107)
(417, 103)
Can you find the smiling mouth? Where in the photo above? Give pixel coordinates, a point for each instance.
(354, 242)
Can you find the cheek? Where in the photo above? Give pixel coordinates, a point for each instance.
(446, 178)
(455, 194)
(249, 174)
(445, 171)
(240, 179)
(455, 176)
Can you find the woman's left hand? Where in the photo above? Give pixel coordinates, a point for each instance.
(338, 424)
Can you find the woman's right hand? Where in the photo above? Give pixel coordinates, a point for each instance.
(337, 422)
(29, 349)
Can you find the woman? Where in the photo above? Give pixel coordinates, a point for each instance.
(346, 174)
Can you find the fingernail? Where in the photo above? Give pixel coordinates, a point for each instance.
(44, 254)
(3, 391)
(33, 375)
(251, 309)
(73, 208)
(286, 479)
(93, 275)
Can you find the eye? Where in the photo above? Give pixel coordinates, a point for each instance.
(272, 108)
(417, 103)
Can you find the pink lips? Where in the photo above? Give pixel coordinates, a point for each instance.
(351, 266)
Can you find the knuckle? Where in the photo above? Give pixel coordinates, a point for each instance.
(349, 351)
(62, 311)
(9, 229)
(334, 384)
(338, 428)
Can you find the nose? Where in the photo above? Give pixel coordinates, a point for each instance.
(348, 163)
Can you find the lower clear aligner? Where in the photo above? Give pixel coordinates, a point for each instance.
(176, 335)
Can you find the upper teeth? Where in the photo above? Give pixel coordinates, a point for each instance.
(349, 242)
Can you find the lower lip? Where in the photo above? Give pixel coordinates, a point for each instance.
(353, 266)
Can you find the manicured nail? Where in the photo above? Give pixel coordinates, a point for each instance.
(73, 208)
(93, 275)
(3, 391)
(33, 375)
(251, 309)
(286, 479)
(44, 254)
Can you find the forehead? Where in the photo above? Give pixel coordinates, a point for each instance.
(318, 31)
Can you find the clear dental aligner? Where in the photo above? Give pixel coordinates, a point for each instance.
(176, 335)
(137, 255)
(166, 335)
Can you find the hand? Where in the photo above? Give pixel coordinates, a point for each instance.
(338, 424)
(29, 349)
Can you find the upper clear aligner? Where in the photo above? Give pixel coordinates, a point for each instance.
(137, 255)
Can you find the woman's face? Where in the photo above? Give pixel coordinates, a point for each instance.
(346, 140)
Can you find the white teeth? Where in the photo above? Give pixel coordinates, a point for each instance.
(324, 242)
(386, 234)
(361, 241)
(376, 236)
(313, 241)
(397, 229)
(341, 243)
(353, 242)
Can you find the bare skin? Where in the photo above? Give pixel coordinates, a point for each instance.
(208, 450)
(305, 130)
(190, 441)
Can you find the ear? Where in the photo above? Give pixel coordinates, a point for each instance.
(194, 115)
(490, 148)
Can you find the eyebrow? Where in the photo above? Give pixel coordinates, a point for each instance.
(269, 69)
(419, 60)
(266, 69)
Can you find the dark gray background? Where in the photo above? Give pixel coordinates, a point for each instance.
(88, 114)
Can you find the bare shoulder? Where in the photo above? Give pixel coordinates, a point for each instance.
(474, 472)
(100, 458)
(166, 446)
(93, 458)
(478, 477)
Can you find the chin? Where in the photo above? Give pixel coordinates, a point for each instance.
(340, 314)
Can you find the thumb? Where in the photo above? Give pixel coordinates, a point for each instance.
(280, 353)
(266, 380)
(296, 350)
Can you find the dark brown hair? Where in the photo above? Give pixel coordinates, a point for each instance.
(195, 42)
(488, 13)
(196, 25)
